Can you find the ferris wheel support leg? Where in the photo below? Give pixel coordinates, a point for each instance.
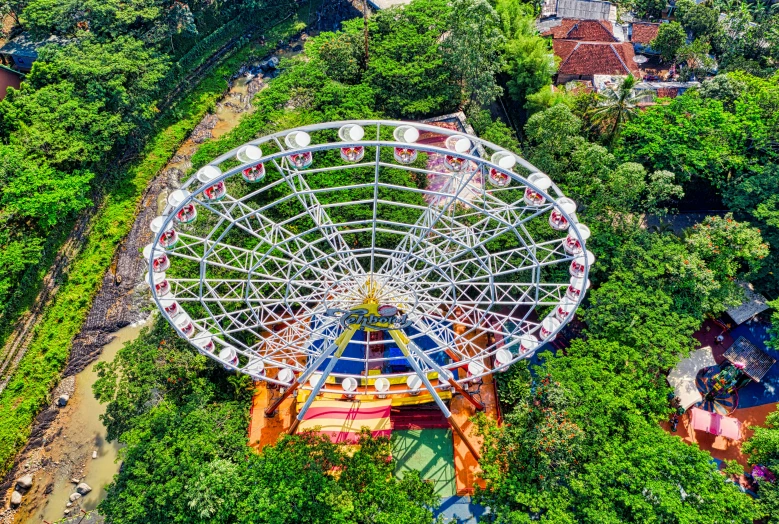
(445, 373)
(271, 410)
(402, 341)
(464, 438)
(457, 387)
(340, 343)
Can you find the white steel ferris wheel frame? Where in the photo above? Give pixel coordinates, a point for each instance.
(426, 276)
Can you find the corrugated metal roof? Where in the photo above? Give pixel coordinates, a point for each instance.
(25, 46)
(753, 304)
(756, 363)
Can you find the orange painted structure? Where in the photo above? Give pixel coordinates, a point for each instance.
(264, 431)
(466, 466)
(720, 447)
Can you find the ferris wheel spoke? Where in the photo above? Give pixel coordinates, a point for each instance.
(426, 223)
(456, 346)
(291, 248)
(319, 215)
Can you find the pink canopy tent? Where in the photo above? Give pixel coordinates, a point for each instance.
(716, 424)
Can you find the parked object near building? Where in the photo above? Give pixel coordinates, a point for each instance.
(22, 50)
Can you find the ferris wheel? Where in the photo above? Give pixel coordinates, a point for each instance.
(368, 258)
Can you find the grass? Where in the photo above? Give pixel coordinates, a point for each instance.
(40, 368)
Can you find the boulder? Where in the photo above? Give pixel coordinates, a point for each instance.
(94, 454)
(74, 497)
(67, 512)
(16, 498)
(24, 482)
(69, 504)
(83, 488)
(63, 401)
(75, 480)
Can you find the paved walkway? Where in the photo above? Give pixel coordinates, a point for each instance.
(720, 447)
(460, 510)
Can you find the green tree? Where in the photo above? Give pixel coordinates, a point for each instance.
(730, 248)
(33, 190)
(700, 20)
(695, 57)
(528, 460)
(55, 125)
(725, 88)
(341, 54)
(551, 137)
(530, 62)
(185, 456)
(407, 71)
(691, 136)
(616, 105)
(624, 310)
(670, 37)
(683, 7)
(656, 477)
(471, 47)
(763, 449)
(648, 8)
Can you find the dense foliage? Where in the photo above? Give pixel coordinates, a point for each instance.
(581, 440)
(88, 106)
(183, 423)
(29, 387)
(763, 450)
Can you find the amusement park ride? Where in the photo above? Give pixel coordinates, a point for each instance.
(368, 260)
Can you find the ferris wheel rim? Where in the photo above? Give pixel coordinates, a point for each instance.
(481, 163)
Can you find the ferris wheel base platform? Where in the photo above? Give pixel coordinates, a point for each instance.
(397, 401)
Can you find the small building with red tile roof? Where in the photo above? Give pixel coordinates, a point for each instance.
(584, 30)
(583, 60)
(642, 34)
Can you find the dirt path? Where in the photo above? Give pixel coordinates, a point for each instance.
(54, 452)
(123, 299)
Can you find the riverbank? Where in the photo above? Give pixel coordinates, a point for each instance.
(75, 448)
(96, 268)
(122, 299)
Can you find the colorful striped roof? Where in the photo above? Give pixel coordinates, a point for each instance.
(342, 420)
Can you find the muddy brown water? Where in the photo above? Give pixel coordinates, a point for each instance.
(84, 434)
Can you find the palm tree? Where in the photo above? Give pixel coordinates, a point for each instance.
(617, 105)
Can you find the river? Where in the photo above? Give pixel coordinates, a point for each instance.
(82, 434)
(77, 431)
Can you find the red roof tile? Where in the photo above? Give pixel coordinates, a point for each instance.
(644, 33)
(564, 48)
(667, 92)
(595, 58)
(586, 30)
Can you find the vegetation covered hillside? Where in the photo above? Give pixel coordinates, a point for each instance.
(581, 440)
